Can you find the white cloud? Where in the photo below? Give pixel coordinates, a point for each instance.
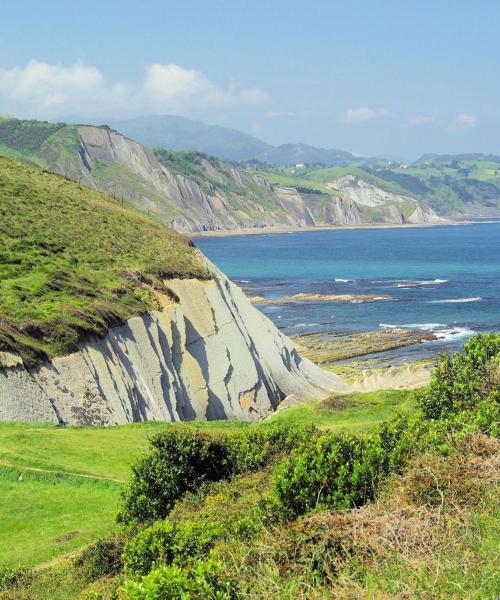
(275, 114)
(463, 122)
(362, 114)
(417, 121)
(40, 89)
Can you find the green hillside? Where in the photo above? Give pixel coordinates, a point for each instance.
(75, 261)
(321, 501)
(451, 188)
(70, 478)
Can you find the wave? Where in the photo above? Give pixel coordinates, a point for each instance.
(453, 333)
(442, 331)
(420, 326)
(409, 283)
(339, 280)
(456, 300)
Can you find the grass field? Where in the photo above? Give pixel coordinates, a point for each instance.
(73, 261)
(72, 498)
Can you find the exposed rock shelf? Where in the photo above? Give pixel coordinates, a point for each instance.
(304, 297)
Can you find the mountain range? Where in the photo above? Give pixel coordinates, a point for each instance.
(180, 133)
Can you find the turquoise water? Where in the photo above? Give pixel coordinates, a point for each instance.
(442, 279)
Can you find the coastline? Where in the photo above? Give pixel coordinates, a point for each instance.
(278, 230)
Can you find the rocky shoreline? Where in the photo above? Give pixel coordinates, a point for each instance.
(303, 297)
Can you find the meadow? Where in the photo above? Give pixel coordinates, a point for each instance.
(61, 485)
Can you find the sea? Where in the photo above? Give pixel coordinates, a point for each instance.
(443, 279)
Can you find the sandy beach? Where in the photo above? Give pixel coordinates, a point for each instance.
(274, 230)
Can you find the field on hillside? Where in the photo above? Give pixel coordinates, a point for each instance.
(60, 486)
(74, 261)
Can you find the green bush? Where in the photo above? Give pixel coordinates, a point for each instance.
(257, 446)
(461, 381)
(167, 543)
(102, 558)
(344, 471)
(323, 474)
(202, 581)
(180, 460)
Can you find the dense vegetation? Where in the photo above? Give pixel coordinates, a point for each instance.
(291, 512)
(74, 261)
(26, 136)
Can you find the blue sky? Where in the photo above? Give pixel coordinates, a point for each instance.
(392, 78)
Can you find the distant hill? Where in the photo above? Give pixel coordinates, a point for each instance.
(180, 133)
(291, 154)
(195, 192)
(451, 188)
(445, 158)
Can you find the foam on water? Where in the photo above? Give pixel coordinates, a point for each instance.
(456, 300)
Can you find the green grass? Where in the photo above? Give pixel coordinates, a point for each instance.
(44, 507)
(356, 413)
(45, 515)
(74, 261)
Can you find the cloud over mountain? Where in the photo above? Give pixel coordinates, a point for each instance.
(43, 90)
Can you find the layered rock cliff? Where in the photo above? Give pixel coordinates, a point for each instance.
(208, 355)
(194, 192)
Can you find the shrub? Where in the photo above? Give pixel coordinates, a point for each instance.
(461, 381)
(200, 582)
(321, 474)
(180, 461)
(168, 543)
(102, 558)
(257, 446)
(344, 471)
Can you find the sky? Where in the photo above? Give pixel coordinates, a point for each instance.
(392, 78)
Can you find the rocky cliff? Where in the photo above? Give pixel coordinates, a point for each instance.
(209, 354)
(194, 192)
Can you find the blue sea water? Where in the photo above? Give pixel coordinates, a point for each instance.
(442, 279)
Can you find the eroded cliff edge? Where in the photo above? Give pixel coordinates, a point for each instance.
(211, 355)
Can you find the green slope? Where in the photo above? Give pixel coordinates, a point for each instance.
(69, 479)
(74, 261)
(452, 188)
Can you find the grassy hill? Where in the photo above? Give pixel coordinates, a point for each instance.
(61, 485)
(75, 261)
(469, 186)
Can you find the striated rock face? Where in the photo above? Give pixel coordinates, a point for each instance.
(380, 205)
(212, 355)
(215, 195)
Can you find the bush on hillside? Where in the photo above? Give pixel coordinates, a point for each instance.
(202, 581)
(102, 558)
(166, 543)
(260, 444)
(461, 381)
(332, 471)
(181, 460)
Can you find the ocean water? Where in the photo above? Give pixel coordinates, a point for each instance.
(442, 279)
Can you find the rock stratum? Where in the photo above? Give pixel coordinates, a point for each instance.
(208, 354)
(194, 192)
